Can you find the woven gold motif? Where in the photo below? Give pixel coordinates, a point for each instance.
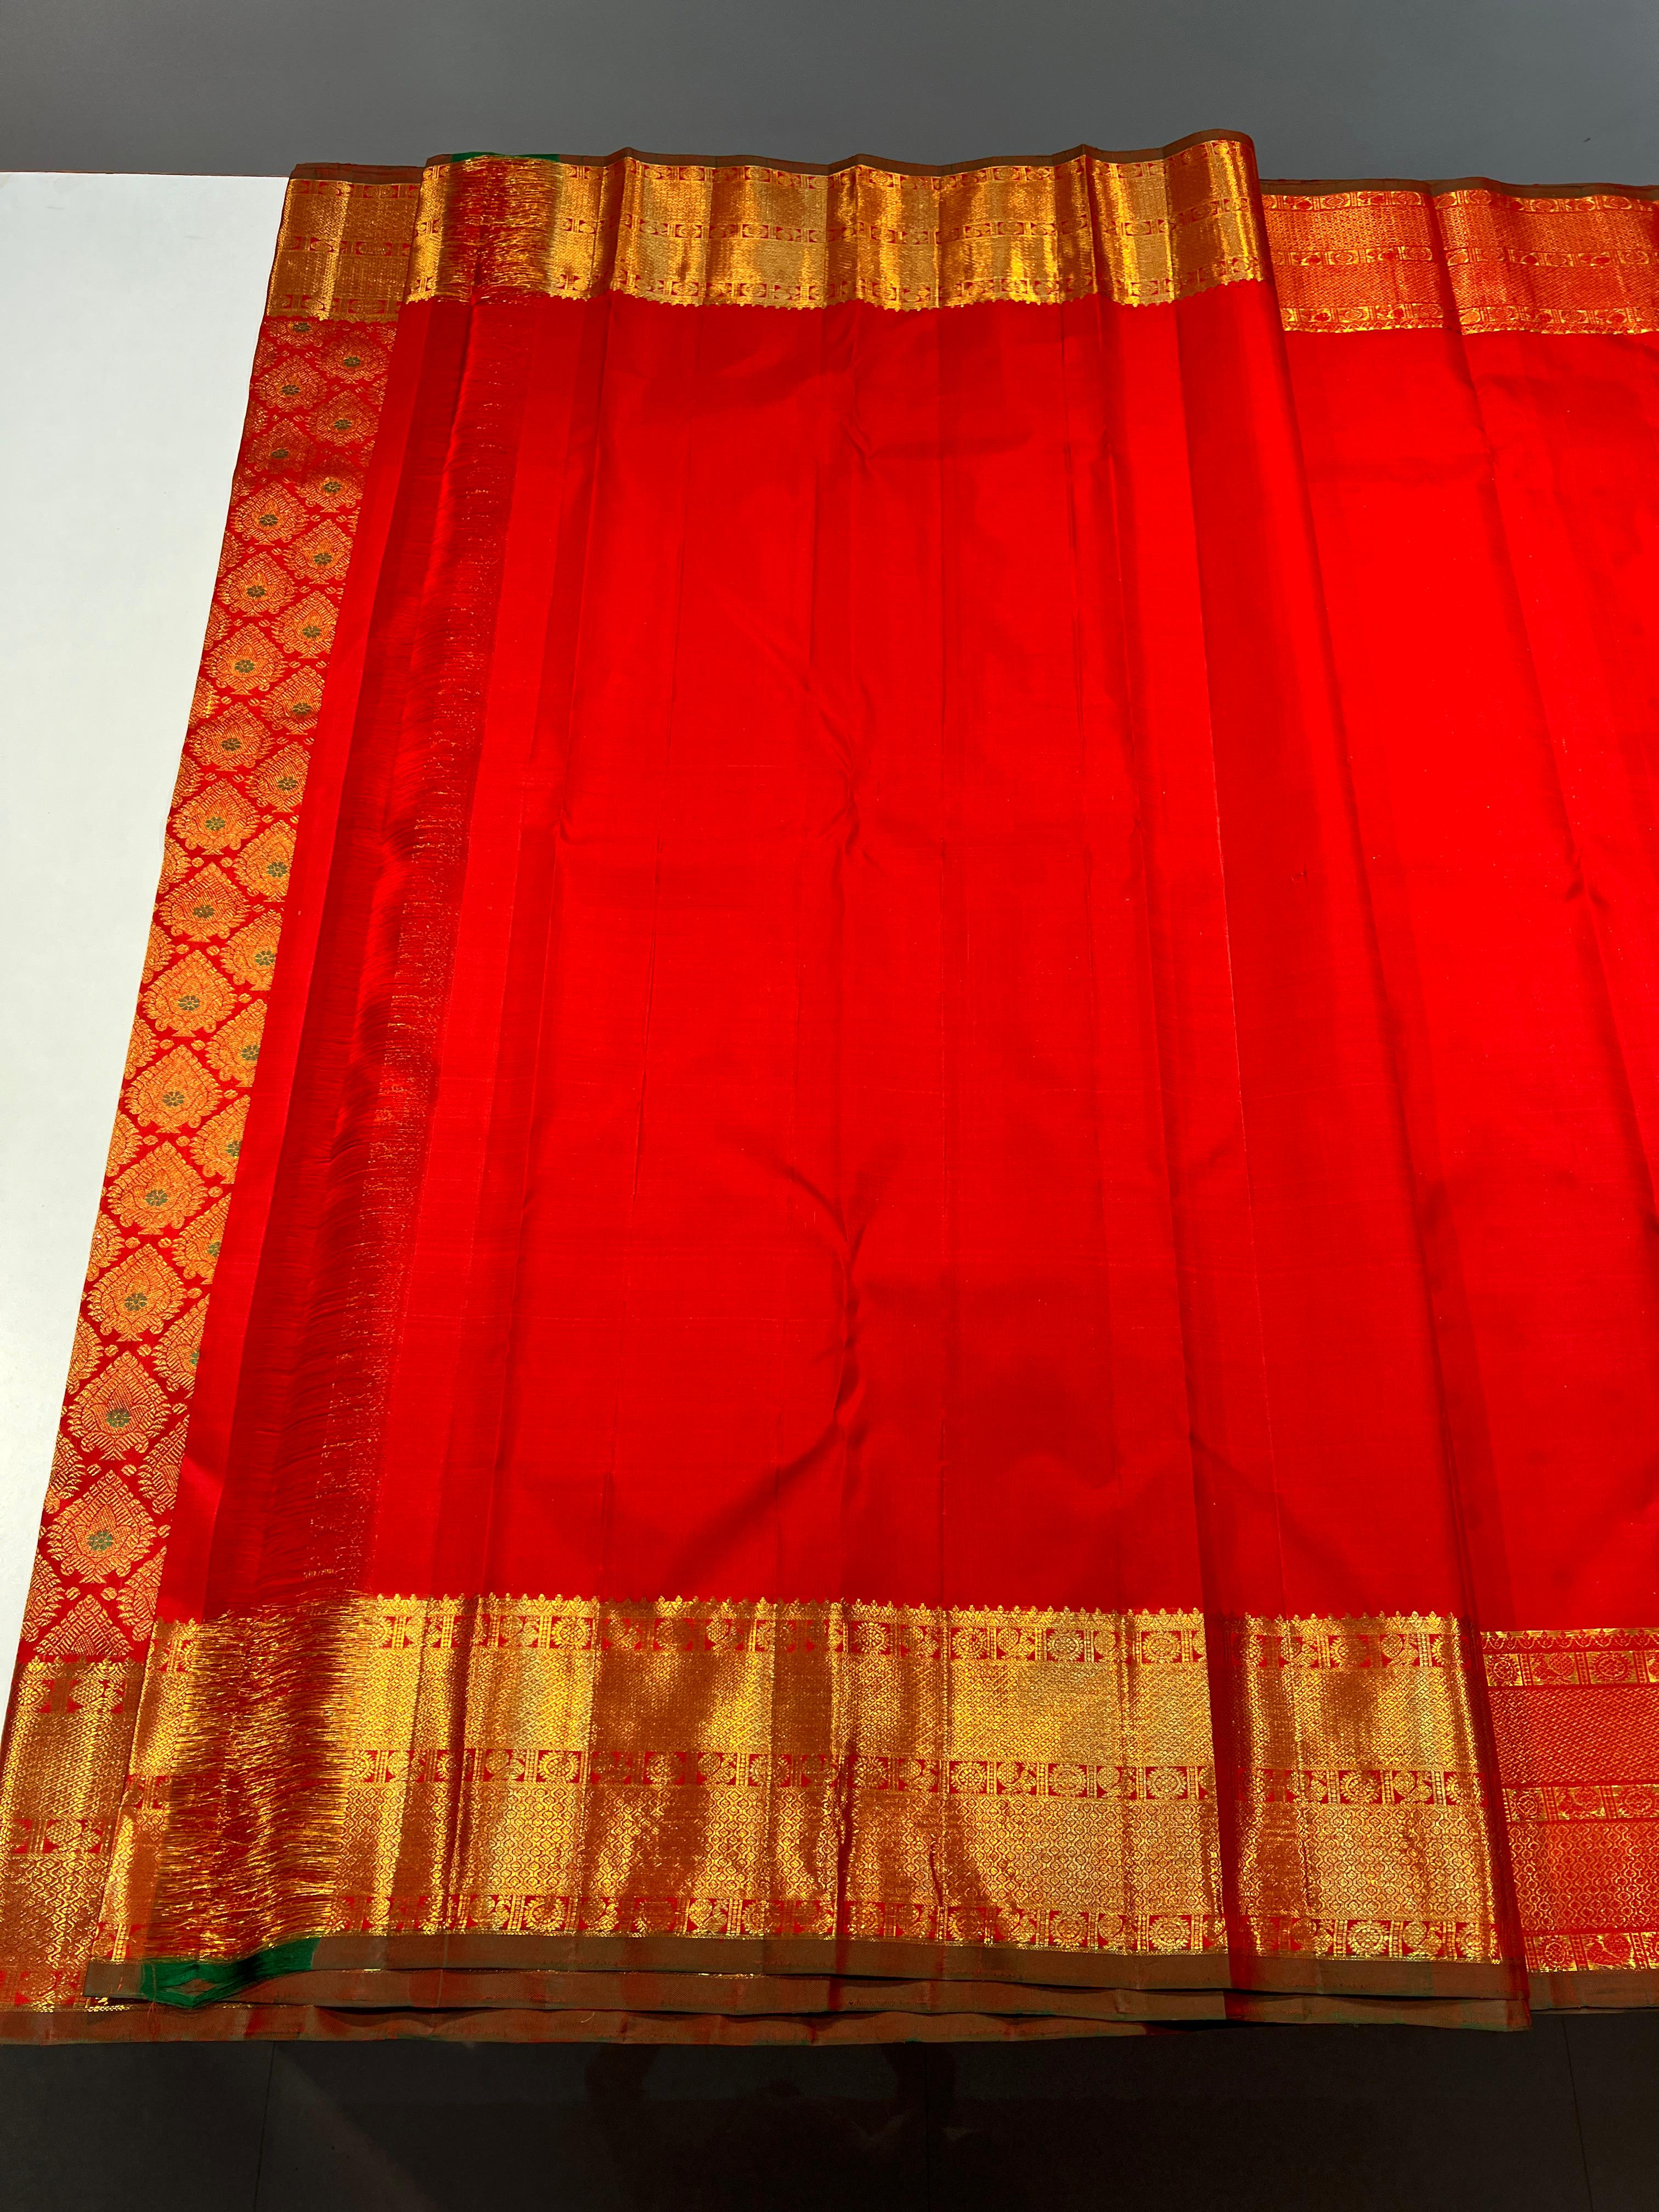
(555, 1776)
(1363, 1822)
(230, 843)
(1473, 257)
(1576, 1712)
(883, 1774)
(60, 1788)
(342, 251)
(1137, 231)
(857, 1773)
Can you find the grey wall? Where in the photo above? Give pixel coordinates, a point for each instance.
(1527, 90)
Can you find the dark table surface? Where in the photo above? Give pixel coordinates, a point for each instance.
(1563, 2119)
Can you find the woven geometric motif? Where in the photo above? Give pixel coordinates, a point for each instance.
(316, 394)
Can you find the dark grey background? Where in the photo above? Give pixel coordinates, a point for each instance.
(1527, 90)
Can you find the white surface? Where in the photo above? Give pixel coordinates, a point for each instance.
(129, 309)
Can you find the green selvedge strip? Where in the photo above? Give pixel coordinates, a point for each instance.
(189, 1983)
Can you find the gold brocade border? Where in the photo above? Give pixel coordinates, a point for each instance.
(553, 1769)
(342, 250)
(68, 1737)
(313, 413)
(1363, 1821)
(1475, 257)
(1136, 229)
(1576, 1714)
(976, 1782)
(997, 1798)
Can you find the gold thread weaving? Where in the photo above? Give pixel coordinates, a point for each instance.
(1139, 231)
(342, 250)
(1472, 257)
(1362, 1823)
(646, 1761)
(1136, 231)
(60, 1789)
(855, 1772)
(549, 1767)
(1576, 1713)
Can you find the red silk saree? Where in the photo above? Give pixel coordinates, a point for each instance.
(881, 1257)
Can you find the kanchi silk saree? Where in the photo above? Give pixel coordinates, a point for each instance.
(881, 1258)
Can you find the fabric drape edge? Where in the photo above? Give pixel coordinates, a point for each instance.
(1344, 256)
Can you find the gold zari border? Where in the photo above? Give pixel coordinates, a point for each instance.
(1575, 1714)
(554, 1768)
(979, 1785)
(1363, 1811)
(1473, 257)
(538, 1802)
(69, 1735)
(1137, 230)
(342, 249)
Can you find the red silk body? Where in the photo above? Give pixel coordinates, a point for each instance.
(990, 956)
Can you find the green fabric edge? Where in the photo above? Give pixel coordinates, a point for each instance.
(191, 1982)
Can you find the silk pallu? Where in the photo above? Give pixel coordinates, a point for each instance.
(881, 1258)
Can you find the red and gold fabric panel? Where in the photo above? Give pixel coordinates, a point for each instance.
(1474, 378)
(317, 384)
(965, 1030)
(1473, 257)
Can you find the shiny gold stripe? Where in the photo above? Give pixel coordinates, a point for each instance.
(1470, 257)
(1137, 231)
(68, 1739)
(1363, 1812)
(872, 1776)
(551, 1777)
(342, 250)
(1576, 1713)
(1356, 261)
(538, 1768)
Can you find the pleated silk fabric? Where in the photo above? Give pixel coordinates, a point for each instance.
(937, 1311)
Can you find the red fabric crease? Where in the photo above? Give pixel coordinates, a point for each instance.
(992, 957)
